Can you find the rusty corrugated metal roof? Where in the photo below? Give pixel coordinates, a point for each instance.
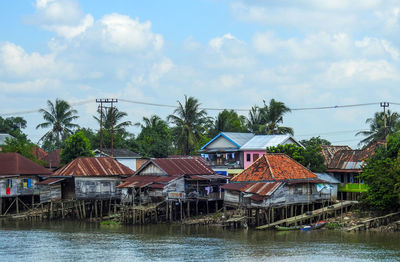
(274, 167)
(16, 164)
(94, 166)
(260, 188)
(142, 181)
(328, 152)
(39, 153)
(182, 166)
(53, 159)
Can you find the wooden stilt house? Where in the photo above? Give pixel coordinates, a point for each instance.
(18, 182)
(173, 179)
(86, 178)
(275, 180)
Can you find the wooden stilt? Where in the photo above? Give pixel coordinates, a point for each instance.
(170, 212)
(180, 204)
(188, 209)
(33, 201)
(197, 206)
(1, 206)
(84, 208)
(96, 214)
(101, 209)
(207, 205)
(17, 204)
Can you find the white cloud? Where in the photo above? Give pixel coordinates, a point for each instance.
(64, 17)
(33, 86)
(119, 33)
(361, 70)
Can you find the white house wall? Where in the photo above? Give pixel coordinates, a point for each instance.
(129, 162)
(151, 169)
(221, 142)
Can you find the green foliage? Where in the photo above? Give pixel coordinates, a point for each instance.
(75, 146)
(267, 119)
(377, 130)
(154, 139)
(228, 121)
(112, 122)
(333, 226)
(58, 117)
(382, 175)
(13, 126)
(309, 157)
(315, 141)
(190, 124)
(22, 146)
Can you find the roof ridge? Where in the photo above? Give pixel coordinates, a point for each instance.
(269, 167)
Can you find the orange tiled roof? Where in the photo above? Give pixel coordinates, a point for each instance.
(274, 167)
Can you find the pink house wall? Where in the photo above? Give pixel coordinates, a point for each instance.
(246, 163)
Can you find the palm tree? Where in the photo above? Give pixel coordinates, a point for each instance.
(190, 125)
(255, 121)
(58, 117)
(111, 120)
(377, 129)
(266, 120)
(273, 115)
(228, 121)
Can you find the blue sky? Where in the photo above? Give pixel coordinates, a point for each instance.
(228, 54)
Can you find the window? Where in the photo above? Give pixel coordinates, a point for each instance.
(248, 158)
(255, 157)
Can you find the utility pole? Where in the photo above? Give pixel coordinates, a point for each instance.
(107, 101)
(384, 105)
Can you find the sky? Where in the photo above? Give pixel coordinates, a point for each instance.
(227, 54)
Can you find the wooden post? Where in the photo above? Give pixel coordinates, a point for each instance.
(101, 209)
(115, 206)
(84, 208)
(62, 210)
(1, 206)
(181, 203)
(33, 201)
(95, 209)
(197, 207)
(17, 204)
(188, 209)
(257, 217)
(207, 205)
(216, 206)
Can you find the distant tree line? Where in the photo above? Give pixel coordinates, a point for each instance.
(183, 132)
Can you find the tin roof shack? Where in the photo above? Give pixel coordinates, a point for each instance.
(346, 165)
(18, 180)
(90, 178)
(274, 180)
(230, 152)
(124, 156)
(173, 179)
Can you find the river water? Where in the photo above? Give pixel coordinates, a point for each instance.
(76, 241)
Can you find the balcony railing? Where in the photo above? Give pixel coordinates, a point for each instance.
(353, 187)
(228, 164)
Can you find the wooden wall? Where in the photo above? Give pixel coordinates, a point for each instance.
(97, 187)
(17, 186)
(50, 192)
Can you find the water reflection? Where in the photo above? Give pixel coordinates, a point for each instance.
(77, 241)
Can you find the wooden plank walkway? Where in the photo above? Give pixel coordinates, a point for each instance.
(305, 216)
(374, 222)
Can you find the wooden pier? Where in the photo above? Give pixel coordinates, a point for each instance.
(321, 213)
(375, 222)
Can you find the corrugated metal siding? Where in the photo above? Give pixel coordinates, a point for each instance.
(183, 166)
(261, 142)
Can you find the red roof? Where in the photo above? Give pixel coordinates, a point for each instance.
(274, 167)
(39, 153)
(181, 166)
(53, 159)
(94, 166)
(142, 181)
(260, 188)
(16, 164)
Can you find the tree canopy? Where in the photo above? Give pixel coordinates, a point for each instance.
(381, 173)
(76, 145)
(309, 157)
(190, 124)
(228, 121)
(377, 130)
(154, 140)
(59, 117)
(13, 126)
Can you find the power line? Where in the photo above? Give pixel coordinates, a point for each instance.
(333, 132)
